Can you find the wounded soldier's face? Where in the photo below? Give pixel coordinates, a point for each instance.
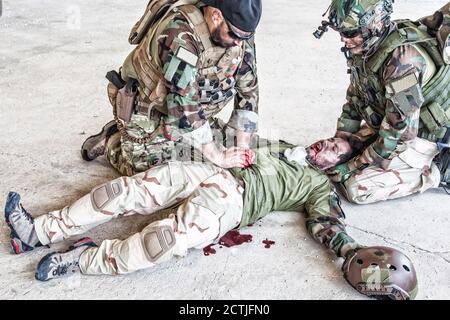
(326, 154)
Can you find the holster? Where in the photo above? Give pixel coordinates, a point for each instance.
(125, 99)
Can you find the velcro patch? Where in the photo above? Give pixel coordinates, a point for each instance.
(186, 78)
(187, 56)
(406, 93)
(404, 83)
(170, 68)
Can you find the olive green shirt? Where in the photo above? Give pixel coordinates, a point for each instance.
(273, 183)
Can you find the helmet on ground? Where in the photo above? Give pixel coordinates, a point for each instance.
(382, 273)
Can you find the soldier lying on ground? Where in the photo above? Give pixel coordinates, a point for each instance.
(212, 201)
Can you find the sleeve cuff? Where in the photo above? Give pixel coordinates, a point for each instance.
(199, 137)
(348, 125)
(244, 120)
(370, 156)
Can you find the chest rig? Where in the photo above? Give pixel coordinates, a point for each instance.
(216, 66)
(369, 96)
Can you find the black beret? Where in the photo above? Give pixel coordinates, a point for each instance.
(243, 14)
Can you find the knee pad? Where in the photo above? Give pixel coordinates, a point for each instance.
(157, 241)
(104, 194)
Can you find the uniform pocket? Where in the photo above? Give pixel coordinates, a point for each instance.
(177, 174)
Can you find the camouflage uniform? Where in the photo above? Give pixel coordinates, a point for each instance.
(395, 90)
(398, 162)
(211, 202)
(211, 205)
(184, 80)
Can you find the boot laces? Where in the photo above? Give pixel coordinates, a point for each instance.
(28, 216)
(96, 152)
(62, 268)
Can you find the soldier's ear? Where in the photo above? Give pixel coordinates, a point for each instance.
(213, 16)
(217, 16)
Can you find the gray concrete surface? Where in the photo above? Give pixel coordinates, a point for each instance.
(53, 58)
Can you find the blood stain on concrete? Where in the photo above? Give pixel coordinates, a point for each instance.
(209, 250)
(268, 243)
(235, 238)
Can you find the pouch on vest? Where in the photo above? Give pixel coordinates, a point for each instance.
(435, 112)
(438, 25)
(155, 10)
(436, 119)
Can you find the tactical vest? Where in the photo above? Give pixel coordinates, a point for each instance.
(370, 97)
(213, 66)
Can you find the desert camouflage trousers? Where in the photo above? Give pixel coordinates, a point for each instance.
(210, 204)
(411, 171)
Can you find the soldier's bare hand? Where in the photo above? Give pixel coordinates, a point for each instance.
(250, 158)
(233, 158)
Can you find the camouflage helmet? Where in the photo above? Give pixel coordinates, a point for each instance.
(369, 17)
(382, 273)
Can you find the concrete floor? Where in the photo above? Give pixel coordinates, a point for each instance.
(53, 58)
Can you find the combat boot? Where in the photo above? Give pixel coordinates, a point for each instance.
(61, 264)
(21, 223)
(443, 163)
(95, 145)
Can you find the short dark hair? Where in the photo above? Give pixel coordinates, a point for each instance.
(345, 157)
(356, 148)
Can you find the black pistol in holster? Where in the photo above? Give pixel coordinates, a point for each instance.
(126, 95)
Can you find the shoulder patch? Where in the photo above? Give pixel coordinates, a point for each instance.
(403, 83)
(405, 93)
(187, 56)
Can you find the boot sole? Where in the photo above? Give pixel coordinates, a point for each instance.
(109, 132)
(8, 208)
(18, 246)
(83, 242)
(84, 152)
